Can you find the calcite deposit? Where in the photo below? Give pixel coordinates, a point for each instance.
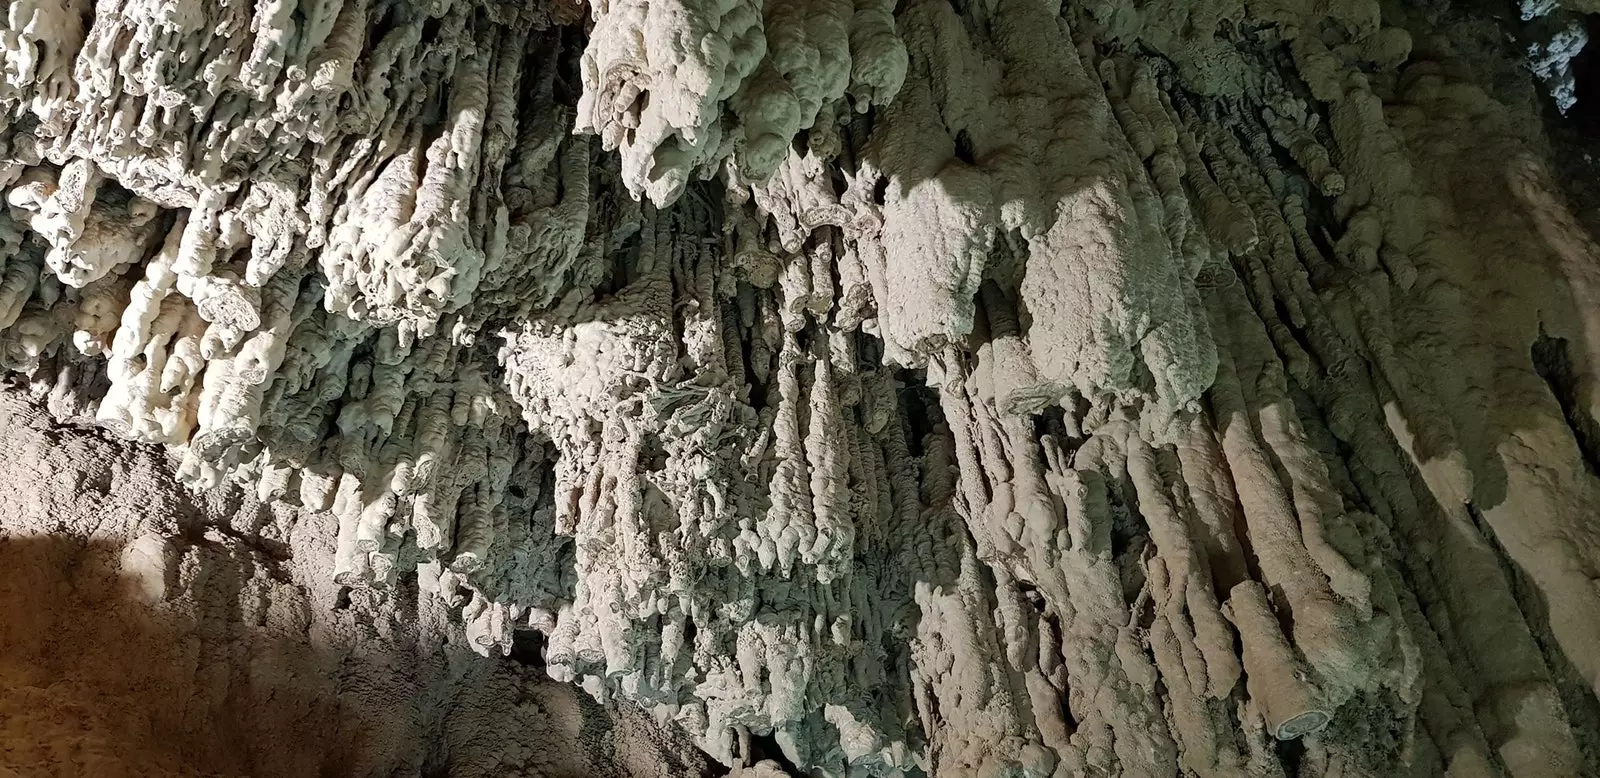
(868, 388)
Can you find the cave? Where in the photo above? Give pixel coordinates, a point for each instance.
(824, 388)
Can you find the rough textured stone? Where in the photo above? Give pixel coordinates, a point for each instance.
(1005, 388)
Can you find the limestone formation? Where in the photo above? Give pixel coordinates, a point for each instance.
(152, 632)
(869, 388)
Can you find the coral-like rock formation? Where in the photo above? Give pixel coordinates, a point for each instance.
(868, 388)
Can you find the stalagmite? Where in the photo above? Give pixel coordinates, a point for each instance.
(858, 388)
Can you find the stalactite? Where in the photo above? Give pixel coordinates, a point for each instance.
(935, 388)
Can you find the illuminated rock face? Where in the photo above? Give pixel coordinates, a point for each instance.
(1000, 388)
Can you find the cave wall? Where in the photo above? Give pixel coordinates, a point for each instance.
(1001, 388)
(146, 630)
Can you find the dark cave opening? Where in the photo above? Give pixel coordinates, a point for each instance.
(1585, 113)
(922, 411)
(527, 648)
(1553, 363)
(766, 747)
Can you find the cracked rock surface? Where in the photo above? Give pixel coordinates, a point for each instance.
(849, 387)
